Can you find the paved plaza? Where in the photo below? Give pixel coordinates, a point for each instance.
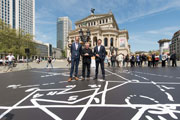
(126, 94)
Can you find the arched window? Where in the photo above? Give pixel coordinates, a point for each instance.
(105, 42)
(106, 20)
(112, 42)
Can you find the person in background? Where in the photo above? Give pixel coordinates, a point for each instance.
(37, 60)
(123, 60)
(132, 60)
(153, 60)
(100, 53)
(174, 59)
(156, 60)
(69, 60)
(168, 59)
(127, 60)
(109, 61)
(149, 60)
(144, 59)
(120, 60)
(106, 60)
(49, 62)
(141, 59)
(86, 61)
(164, 58)
(76, 49)
(11, 59)
(137, 60)
(113, 60)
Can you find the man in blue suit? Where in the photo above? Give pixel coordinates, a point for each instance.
(76, 49)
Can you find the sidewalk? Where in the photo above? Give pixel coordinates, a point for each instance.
(23, 66)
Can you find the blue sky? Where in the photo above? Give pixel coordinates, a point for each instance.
(146, 20)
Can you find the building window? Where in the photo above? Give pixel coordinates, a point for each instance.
(112, 41)
(106, 20)
(105, 42)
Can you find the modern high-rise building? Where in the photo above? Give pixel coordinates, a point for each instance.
(64, 26)
(20, 14)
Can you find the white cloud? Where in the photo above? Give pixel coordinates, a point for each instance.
(168, 31)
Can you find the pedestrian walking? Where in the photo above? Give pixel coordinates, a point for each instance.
(153, 60)
(174, 59)
(69, 60)
(164, 58)
(11, 59)
(149, 60)
(120, 60)
(127, 60)
(49, 62)
(132, 60)
(86, 61)
(113, 60)
(76, 49)
(168, 60)
(157, 60)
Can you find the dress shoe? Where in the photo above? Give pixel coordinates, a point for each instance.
(83, 79)
(76, 78)
(70, 79)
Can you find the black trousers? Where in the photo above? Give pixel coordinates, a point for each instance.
(86, 66)
(163, 63)
(102, 68)
(113, 63)
(174, 63)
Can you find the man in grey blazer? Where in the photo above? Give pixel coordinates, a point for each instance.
(76, 49)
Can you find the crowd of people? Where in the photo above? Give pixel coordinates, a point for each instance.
(151, 60)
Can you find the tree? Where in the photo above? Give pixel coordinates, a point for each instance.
(15, 41)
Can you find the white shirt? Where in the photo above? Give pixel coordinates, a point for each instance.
(99, 47)
(76, 44)
(120, 57)
(10, 57)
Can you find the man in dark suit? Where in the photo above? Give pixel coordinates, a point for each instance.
(86, 61)
(76, 49)
(100, 53)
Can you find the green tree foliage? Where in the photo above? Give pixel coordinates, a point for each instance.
(15, 41)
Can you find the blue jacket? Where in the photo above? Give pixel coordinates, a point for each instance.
(75, 54)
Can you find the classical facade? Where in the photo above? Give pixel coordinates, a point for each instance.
(104, 27)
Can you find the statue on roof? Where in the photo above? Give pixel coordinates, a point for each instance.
(92, 11)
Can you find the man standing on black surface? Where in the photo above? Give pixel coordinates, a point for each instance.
(100, 53)
(86, 61)
(174, 58)
(76, 49)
